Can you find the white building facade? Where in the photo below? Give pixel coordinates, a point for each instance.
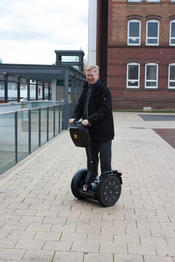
(92, 31)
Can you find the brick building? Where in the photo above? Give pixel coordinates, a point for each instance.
(136, 52)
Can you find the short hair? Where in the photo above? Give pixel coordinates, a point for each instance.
(92, 67)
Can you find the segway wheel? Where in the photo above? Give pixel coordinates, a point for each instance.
(77, 182)
(108, 191)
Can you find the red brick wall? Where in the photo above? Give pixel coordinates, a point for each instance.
(102, 36)
(119, 54)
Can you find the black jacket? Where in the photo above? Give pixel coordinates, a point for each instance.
(99, 112)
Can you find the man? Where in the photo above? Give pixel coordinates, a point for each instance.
(94, 107)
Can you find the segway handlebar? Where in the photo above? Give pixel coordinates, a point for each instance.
(78, 122)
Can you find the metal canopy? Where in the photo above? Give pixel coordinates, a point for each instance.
(40, 72)
(46, 73)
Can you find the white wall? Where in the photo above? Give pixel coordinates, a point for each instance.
(92, 31)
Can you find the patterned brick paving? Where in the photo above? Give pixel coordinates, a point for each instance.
(40, 220)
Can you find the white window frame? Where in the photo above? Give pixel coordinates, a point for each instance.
(147, 80)
(170, 87)
(172, 21)
(130, 37)
(134, 1)
(138, 80)
(147, 38)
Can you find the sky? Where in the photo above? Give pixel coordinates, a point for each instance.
(31, 30)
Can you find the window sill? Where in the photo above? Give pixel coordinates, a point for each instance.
(152, 88)
(133, 88)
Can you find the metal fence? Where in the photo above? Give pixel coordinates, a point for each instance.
(24, 131)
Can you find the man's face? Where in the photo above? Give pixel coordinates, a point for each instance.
(92, 76)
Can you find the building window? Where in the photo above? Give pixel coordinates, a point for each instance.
(69, 59)
(172, 32)
(32, 90)
(152, 32)
(23, 88)
(40, 91)
(46, 91)
(151, 75)
(134, 32)
(171, 76)
(12, 91)
(153, 1)
(133, 75)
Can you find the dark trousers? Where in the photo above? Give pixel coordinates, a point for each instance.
(101, 151)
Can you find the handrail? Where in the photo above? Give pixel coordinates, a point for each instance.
(27, 109)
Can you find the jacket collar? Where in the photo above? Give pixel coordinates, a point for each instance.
(94, 86)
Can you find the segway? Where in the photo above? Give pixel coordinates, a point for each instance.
(107, 188)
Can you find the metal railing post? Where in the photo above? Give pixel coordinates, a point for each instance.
(6, 89)
(66, 87)
(18, 89)
(47, 123)
(36, 89)
(28, 89)
(59, 120)
(43, 85)
(29, 135)
(39, 127)
(54, 121)
(73, 92)
(16, 137)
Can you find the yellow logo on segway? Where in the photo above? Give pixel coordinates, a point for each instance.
(75, 136)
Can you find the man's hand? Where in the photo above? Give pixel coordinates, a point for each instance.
(71, 120)
(85, 122)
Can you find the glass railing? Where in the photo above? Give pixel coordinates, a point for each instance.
(23, 131)
(14, 106)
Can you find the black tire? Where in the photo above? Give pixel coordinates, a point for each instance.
(108, 191)
(77, 182)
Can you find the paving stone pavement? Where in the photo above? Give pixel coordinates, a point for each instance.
(40, 220)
